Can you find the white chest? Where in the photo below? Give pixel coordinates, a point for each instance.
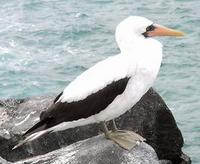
(142, 78)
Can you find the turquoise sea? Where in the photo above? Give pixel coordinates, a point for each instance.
(44, 44)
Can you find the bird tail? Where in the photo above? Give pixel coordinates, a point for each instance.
(30, 138)
(35, 132)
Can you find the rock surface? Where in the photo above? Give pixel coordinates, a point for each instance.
(150, 117)
(3, 161)
(97, 150)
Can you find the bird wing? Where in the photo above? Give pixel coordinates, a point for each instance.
(88, 94)
(97, 77)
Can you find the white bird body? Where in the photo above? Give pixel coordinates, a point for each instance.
(112, 86)
(96, 78)
(138, 64)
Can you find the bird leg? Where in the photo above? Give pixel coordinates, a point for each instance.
(124, 138)
(105, 129)
(115, 129)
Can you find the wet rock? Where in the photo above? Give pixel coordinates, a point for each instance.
(3, 161)
(97, 150)
(165, 162)
(150, 117)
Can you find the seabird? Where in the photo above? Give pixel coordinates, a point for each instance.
(111, 87)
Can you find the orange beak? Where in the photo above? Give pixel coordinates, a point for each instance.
(164, 31)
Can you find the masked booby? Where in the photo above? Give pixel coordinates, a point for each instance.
(111, 87)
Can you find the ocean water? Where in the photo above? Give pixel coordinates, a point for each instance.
(44, 44)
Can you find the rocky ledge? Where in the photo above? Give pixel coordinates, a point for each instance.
(97, 150)
(150, 117)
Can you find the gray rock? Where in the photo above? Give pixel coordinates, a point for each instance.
(3, 161)
(165, 162)
(185, 159)
(97, 150)
(150, 117)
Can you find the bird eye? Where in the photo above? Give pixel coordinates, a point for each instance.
(150, 28)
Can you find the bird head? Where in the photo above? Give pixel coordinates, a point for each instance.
(136, 29)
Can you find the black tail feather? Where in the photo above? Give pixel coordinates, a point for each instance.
(37, 127)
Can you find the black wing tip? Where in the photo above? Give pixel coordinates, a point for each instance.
(37, 127)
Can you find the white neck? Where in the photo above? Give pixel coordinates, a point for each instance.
(146, 52)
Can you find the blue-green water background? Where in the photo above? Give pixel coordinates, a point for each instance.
(44, 44)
